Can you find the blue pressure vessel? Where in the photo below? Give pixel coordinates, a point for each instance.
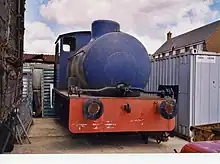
(111, 57)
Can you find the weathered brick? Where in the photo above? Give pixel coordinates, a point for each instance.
(11, 29)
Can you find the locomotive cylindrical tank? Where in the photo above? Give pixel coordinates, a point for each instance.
(110, 58)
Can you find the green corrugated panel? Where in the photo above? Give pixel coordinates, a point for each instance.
(48, 78)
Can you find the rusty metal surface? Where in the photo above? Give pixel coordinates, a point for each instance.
(11, 51)
(39, 58)
(207, 132)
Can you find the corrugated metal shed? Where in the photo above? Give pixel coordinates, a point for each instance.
(198, 78)
(45, 87)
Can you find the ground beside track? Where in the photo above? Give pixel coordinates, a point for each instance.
(48, 137)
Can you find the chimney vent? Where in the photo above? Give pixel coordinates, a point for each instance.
(169, 35)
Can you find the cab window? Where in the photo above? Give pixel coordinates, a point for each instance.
(69, 44)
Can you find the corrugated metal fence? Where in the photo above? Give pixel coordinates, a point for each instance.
(25, 108)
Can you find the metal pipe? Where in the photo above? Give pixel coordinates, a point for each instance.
(106, 88)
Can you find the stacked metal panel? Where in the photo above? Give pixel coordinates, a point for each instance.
(48, 81)
(198, 78)
(27, 70)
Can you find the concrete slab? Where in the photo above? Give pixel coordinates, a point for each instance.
(48, 137)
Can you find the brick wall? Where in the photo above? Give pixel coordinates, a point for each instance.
(11, 52)
(213, 43)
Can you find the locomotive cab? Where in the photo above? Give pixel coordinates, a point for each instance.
(66, 45)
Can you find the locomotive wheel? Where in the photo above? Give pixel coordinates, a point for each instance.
(168, 109)
(93, 109)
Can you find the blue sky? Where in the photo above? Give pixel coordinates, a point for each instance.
(216, 6)
(33, 13)
(147, 35)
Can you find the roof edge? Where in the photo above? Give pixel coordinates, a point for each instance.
(218, 21)
(71, 33)
(178, 47)
(214, 22)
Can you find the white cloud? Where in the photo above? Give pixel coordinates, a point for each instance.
(38, 38)
(148, 20)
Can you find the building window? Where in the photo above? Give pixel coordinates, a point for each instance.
(186, 49)
(195, 46)
(171, 52)
(178, 52)
(204, 48)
